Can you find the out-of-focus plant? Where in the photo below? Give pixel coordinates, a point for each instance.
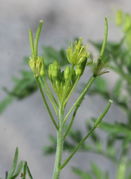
(57, 85)
(94, 173)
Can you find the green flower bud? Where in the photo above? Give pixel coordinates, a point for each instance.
(57, 85)
(37, 66)
(78, 70)
(50, 71)
(53, 70)
(77, 53)
(67, 73)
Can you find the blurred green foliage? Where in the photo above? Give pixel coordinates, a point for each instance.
(94, 173)
(25, 85)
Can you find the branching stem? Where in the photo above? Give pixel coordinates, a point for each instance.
(89, 83)
(59, 148)
(98, 121)
(46, 104)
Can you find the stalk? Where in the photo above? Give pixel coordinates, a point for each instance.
(59, 147)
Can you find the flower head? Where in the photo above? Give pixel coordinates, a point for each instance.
(37, 66)
(77, 53)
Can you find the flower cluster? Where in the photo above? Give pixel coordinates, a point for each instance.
(37, 66)
(64, 80)
(77, 53)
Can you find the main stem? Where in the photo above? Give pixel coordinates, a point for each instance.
(59, 148)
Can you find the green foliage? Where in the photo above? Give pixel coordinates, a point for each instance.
(94, 173)
(118, 56)
(18, 168)
(25, 85)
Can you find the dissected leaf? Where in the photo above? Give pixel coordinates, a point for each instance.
(82, 174)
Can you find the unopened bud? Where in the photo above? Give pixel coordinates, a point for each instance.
(67, 73)
(53, 70)
(78, 70)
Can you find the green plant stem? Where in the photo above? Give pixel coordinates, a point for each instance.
(46, 104)
(31, 39)
(121, 171)
(73, 116)
(105, 39)
(87, 86)
(38, 32)
(70, 124)
(98, 121)
(74, 86)
(52, 96)
(121, 73)
(49, 94)
(59, 147)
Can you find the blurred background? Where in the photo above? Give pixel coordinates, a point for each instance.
(25, 123)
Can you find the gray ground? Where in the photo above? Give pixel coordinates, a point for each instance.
(25, 123)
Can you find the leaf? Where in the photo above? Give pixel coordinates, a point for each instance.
(24, 86)
(50, 54)
(116, 128)
(95, 138)
(18, 171)
(14, 165)
(76, 135)
(81, 173)
(96, 171)
(100, 85)
(29, 173)
(26, 172)
(117, 88)
(5, 102)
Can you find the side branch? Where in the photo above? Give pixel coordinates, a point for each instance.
(80, 98)
(98, 121)
(46, 104)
